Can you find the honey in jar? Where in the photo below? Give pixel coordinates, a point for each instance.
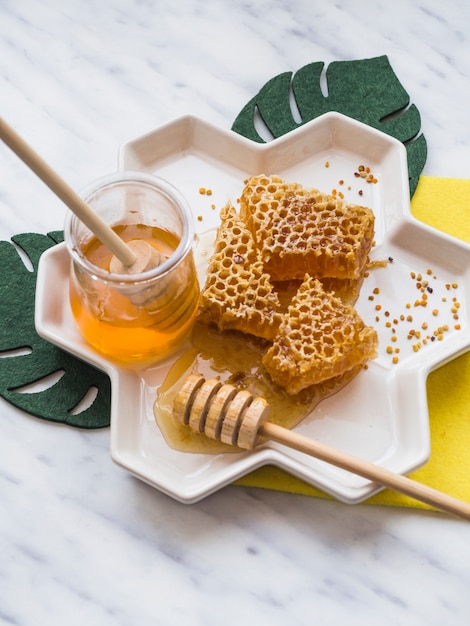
(135, 322)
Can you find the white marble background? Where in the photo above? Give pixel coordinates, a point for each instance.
(82, 542)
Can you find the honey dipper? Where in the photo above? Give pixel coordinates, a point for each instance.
(133, 258)
(224, 413)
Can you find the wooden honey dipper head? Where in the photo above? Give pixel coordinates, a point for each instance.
(220, 411)
(146, 258)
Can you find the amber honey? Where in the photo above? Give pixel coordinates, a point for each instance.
(133, 321)
(236, 359)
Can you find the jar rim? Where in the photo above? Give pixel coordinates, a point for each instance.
(162, 186)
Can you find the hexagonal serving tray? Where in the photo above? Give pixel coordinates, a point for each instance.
(381, 415)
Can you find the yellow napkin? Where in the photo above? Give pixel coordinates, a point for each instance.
(443, 203)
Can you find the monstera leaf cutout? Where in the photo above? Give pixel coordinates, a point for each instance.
(367, 90)
(26, 359)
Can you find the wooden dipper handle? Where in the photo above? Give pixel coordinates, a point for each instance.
(247, 423)
(59, 187)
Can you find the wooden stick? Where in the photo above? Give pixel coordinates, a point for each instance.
(376, 474)
(103, 231)
(198, 398)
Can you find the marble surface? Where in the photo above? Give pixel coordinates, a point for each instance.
(81, 541)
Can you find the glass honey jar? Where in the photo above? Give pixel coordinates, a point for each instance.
(131, 317)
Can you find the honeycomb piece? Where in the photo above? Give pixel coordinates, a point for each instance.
(318, 339)
(238, 294)
(299, 231)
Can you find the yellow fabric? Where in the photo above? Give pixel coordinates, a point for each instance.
(443, 203)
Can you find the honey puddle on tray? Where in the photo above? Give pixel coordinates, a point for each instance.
(236, 359)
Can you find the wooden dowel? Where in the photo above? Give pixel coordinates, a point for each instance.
(251, 427)
(60, 188)
(376, 474)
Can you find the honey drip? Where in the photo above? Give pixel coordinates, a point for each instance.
(236, 359)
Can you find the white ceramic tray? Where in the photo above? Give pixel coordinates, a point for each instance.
(382, 415)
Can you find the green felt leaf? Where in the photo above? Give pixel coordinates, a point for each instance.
(35, 375)
(367, 90)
